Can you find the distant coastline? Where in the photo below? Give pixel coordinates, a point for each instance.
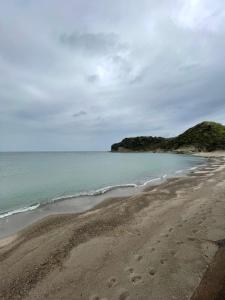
(203, 137)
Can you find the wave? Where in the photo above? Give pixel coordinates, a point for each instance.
(19, 210)
(82, 194)
(151, 180)
(97, 192)
(107, 189)
(179, 171)
(194, 168)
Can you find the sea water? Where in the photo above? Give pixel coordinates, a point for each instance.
(30, 179)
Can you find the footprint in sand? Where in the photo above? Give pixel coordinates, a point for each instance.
(138, 257)
(180, 225)
(129, 270)
(112, 282)
(171, 229)
(179, 242)
(152, 272)
(191, 238)
(162, 261)
(173, 252)
(123, 294)
(136, 279)
(94, 297)
(152, 249)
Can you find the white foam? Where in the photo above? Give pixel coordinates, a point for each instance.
(19, 210)
(97, 192)
(193, 168)
(179, 171)
(149, 181)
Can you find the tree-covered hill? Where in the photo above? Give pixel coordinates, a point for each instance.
(206, 136)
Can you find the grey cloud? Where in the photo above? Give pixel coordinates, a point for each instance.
(94, 43)
(92, 78)
(79, 113)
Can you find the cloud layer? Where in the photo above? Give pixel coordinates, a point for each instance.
(81, 75)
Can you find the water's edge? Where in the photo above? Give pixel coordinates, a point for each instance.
(98, 192)
(14, 221)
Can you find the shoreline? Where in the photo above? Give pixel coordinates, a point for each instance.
(103, 190)
(18, 219)
(157, 243)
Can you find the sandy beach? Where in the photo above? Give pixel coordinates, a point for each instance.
(163, 243)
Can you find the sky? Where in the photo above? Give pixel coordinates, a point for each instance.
(82, 75)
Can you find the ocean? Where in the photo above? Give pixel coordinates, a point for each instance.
(31, 179)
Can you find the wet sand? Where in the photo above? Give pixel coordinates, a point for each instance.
(157, 244)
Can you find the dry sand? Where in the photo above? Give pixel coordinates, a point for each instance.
(218, 153)
(7, 240)
(159, 245)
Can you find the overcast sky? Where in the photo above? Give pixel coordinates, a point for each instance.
(81, 74)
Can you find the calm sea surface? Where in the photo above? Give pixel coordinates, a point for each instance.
(29, 179)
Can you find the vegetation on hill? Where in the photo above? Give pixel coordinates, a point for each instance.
(206, 136)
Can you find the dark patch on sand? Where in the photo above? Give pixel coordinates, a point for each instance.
(212, 285)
